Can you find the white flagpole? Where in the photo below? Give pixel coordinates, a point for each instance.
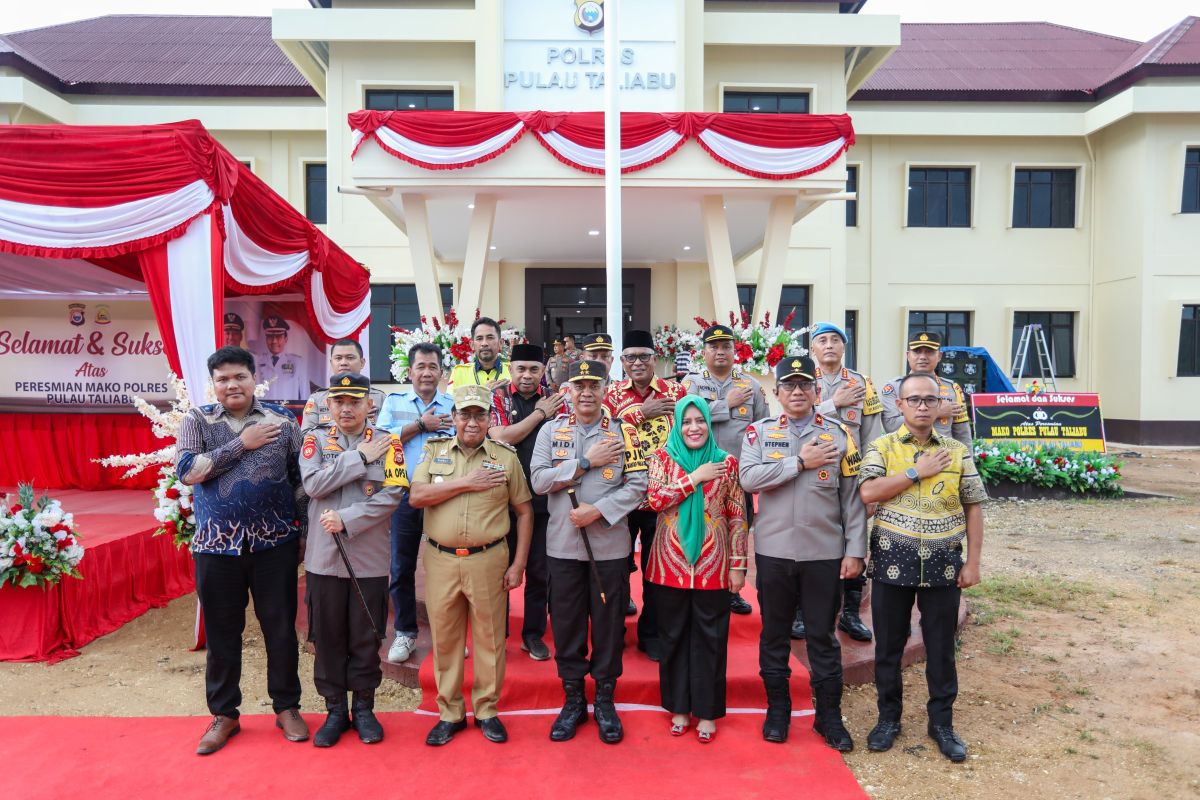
(612, 179)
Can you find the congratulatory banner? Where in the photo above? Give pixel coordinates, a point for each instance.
(80, 354)
(1057, 419)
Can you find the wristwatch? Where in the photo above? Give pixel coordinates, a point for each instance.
(911, 474)
(584, 464)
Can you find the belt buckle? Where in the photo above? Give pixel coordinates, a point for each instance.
(462, 551)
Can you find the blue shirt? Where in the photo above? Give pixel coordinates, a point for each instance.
(401, 409)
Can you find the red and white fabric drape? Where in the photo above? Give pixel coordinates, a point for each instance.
(167, 205)
(773, 147)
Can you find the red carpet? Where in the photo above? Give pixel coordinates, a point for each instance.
(126, 570)
(108, 755)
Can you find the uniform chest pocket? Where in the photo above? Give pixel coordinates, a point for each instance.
(610, 474)
(441, 465)
(824, 477)
(708, 394)
(740, 412)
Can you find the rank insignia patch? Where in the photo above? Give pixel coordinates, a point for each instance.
(823, 474)
(608, 473)
(826, 437)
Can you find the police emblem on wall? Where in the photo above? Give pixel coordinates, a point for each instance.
(103, 315)
(589, 15)
(75, 313)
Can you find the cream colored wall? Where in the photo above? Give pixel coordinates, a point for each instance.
(277, 157)
(818, 70)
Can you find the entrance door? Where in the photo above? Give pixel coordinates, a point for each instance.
(561, 302)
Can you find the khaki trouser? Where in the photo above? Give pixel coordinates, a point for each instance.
(458, 588)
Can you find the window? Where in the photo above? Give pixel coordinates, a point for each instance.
(410, 99)
(1189, 342)
(851, 357)
(747, 294)
(1191, 182)
(394, 304)
(1044, 198)
(939, 198)
(851, 205)
(954, 326)
(314, 193)
(1059, 327)
(794, 298)
(766, 102)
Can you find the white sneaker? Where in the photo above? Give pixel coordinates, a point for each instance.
(401, 649)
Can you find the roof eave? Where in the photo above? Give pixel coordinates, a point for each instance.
(975, 95)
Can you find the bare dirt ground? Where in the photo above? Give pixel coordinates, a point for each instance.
(1078, 666)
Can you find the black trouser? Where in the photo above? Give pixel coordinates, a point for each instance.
(574, 601)
(643, 523)
(347, 657)
(224, 584)
(850, 584)
(693, 633)
(537, 576)
(891, 609)
(406, 545)
(813, 586)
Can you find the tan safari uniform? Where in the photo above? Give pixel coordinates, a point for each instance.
(957, 428)
(474, 580)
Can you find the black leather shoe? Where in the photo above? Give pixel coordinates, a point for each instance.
(493, 729)
(834, 732)
(362, 715)
(850, 621)
(444, 731)
(798, 631)
(948, 742)
(336, 723)
(611, 730)
(738, 604)
(779, 710)
(651, 648)
(631, 608)
(827, 722)
(536, 648)
(574, 712)
(883, 735)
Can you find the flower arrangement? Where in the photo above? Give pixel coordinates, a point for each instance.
(1051, 467)
(449, 333)
(758, 347)
(174, 512)
(38, 541)
(670, 341)
(1034, 389)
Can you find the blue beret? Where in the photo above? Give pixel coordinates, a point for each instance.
(827, 327)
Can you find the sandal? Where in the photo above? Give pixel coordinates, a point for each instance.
(705, 736)
(678, 729)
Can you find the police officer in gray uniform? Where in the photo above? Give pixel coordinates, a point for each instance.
(354, 475)
(924, 354)
(734, 400)
(346, 355)
(811, 533)
(600, 458)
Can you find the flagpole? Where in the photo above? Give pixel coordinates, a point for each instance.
(612, 179)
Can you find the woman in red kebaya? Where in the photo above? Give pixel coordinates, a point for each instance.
(698, 556)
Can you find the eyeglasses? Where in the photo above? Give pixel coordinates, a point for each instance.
(922, 402)
(792, 386)
(637, 357)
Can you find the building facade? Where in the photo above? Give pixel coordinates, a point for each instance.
(1002, 174)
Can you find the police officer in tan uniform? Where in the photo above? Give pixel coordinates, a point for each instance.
(346, 355)
(466, 483)
(924, 354)
(354, 476)
(734, 400)
(847, 397)
(600, 458)
(810, 535)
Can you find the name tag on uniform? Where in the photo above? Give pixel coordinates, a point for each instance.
(443, 460)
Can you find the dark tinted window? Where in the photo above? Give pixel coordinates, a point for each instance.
(954, 326)
(314, 193)
(852, 205)
(410, 100)
(1059, 328)
(939, 198)
(1189, 342)
(1191, 181)
(766, 102)
(394, 304)
(1044, 198)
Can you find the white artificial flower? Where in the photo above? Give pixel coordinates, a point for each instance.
(160, 514)
(5, 563)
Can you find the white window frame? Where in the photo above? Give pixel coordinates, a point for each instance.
(974, 166)
(1080, 187)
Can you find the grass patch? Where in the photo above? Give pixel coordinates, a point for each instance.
(1031, 591)
(1003, 643)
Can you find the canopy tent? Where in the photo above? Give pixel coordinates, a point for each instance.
(104, 210)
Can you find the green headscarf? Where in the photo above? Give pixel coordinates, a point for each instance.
(691, 510)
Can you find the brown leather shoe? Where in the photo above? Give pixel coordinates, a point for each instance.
(294, 728)
(218, 733)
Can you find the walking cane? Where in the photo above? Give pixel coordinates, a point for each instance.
(337, 539)
(587, 545)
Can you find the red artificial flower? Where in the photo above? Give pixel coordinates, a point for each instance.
(1038, 461)
(787, 322)
(422, 319)
(745, 316)
(169, 526)
(477, 313)
(17, 550)
(63, 544)
(766, 323)
(34, 565)
(743, 352)
(775, 355)
(983, 456)
(172, 493)
(437, 326)
(1010, 459)
(15, 509)
(732, 319)
(1090, 468)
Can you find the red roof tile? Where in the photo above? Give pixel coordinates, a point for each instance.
(164, 55)
(1179, 44)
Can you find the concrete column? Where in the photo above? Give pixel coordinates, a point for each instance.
(489, 56)
(420, 242)
(773, 263)
(479, 236)
(720, 255)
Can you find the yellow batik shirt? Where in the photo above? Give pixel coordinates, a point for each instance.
(917, 536)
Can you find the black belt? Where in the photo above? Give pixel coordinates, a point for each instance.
(464, 551)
